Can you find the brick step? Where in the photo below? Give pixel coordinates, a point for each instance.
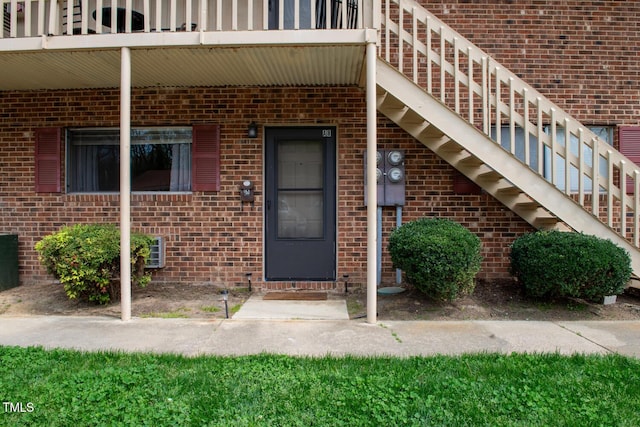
(337, 286)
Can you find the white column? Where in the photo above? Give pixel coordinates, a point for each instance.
(125, 184)
(372, 289)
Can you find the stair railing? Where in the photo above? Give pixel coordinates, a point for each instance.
(514, 114)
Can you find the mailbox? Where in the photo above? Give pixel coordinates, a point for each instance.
(246, 191)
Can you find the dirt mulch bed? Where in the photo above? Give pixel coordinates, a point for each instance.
(496, 300)
(492, 300)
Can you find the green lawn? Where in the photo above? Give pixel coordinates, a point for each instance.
(68, 388)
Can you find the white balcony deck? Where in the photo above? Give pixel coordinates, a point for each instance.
(59, 44)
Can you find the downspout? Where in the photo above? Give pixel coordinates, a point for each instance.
(371, 179)
(398, 224)
(125, 184)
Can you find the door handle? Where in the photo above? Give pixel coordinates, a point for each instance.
(268, 204)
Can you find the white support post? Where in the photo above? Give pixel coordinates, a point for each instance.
(372, 288)
(595, 179)
(623, 196)
(125, 184)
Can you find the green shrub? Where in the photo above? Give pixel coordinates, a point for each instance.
(438, 256)
(86, 260)
(556, 264)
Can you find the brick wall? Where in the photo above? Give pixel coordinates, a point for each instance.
(583, 55)
(212, 237)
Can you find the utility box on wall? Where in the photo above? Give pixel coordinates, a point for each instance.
(8, 261)
(390, 178)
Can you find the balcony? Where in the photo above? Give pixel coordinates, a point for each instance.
(64, 44)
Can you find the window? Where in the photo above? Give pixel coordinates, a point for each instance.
(604, 133)
(163, 159)
(518, 144)
(160, 159)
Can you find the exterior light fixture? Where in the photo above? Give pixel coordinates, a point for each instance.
(249, 280)
(252, 131)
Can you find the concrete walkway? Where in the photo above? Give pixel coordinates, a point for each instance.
(320, 337)
(257, 308)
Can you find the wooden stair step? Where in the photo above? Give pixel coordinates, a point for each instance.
(451, 147)
(412, 117)
(531, 205)
(490, 176)
(510, 191)
(546, 222)
(471, 160)
(390, 102)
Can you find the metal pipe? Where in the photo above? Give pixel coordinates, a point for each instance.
(125, 184)
(371, 178)
(398, 224)
(379, 246)
(225, 297)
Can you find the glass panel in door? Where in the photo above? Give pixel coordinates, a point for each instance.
(300, 190)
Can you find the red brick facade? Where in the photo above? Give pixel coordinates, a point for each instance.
(588, 65)
(583, 55)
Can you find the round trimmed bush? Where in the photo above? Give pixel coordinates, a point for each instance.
(86, 260)
(438, 256)
(552, 264)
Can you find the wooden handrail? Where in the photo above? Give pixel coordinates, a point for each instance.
(474, 85)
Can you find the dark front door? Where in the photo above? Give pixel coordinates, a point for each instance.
(300, 203)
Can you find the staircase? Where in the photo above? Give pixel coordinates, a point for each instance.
(502, 133)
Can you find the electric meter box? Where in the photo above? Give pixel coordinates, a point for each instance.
(390, 178)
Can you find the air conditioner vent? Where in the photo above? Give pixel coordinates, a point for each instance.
(156, 257)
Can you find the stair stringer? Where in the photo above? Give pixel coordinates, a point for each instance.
(474, 154)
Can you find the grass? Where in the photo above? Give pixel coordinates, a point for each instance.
(393, 333)
(354, 306)
(64, 387)
(4, 308)
(210, 308)
(178, 313)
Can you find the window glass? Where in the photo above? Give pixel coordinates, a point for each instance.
(518, 144)
(300, 189)
(160, 159)
(605, 133)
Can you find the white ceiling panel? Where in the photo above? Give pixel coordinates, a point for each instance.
(189, 65)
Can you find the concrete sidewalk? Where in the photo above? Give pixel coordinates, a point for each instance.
(320, 337)
(256, 308)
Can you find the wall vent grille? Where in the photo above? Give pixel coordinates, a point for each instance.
(156, 257)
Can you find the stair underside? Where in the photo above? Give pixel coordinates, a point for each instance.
(494, 169)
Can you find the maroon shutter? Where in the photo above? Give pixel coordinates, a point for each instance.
(629, 137)
(463, 185)
(205, 159)
(47, 160)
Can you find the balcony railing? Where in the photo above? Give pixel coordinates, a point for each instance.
(32, 18)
